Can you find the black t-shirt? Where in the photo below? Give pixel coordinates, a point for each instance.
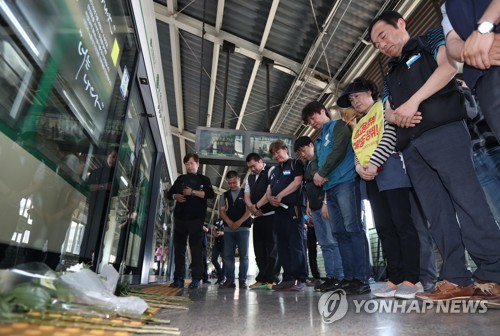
(194, 207)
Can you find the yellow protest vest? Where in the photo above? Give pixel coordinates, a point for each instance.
(367, 133)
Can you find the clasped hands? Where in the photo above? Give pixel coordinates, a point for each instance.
(481, 50)
(181, 198)
(367, 172)
(254, 211)
(405, 116)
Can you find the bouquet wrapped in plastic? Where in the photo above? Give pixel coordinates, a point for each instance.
(35, 286)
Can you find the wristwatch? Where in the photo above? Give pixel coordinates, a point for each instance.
(192, 192)
(485, 27)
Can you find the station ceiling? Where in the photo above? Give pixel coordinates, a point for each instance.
(254, 64)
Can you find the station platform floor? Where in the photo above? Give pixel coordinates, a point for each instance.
(239, 312)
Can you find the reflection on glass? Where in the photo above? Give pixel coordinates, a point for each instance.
(61, 111)
(162, 229)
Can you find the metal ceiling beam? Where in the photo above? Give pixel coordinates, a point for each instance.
(305, 72)
(244, 47)
(256, 66)
(248, 92)
(177, 76)
(185, 135)
(215, 63)
(213, 70)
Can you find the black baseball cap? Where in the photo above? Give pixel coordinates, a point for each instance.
(354, 87)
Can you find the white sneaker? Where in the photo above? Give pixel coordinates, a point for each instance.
(386, 291)
(407, 290)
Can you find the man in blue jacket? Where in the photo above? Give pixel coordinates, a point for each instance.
(334, 158)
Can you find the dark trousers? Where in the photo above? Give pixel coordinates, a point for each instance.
(439, 164)
(184, 228)
(218, 251)
(265, 249)
(204, 266)
(289, 228)
(428, 269)
(489, 99)
(399, 238)
(312, 252)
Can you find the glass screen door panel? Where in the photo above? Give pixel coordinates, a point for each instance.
(122, 200)
(130, 204)
(141, 204)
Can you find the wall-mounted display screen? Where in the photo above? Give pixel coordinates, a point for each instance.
(230, 147)
(220, 143)
(259, 143)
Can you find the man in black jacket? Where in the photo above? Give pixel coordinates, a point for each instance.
(190, 191)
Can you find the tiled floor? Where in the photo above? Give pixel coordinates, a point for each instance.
(217, 311)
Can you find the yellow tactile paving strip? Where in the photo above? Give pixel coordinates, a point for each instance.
(25, 329)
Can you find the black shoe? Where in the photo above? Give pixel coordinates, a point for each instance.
(219, 281)
(177, 283)
(331, 285)
(228, 284)
(357, 287)
(206, 281)
(194, 284)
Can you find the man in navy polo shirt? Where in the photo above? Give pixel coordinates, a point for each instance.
(285, 195)
(433, 137)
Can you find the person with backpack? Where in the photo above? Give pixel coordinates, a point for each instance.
(428, 111)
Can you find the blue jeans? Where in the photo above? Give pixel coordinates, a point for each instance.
(344, 209)
(487, 166)
(329, 246)
(218, 250)
(231, 240)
